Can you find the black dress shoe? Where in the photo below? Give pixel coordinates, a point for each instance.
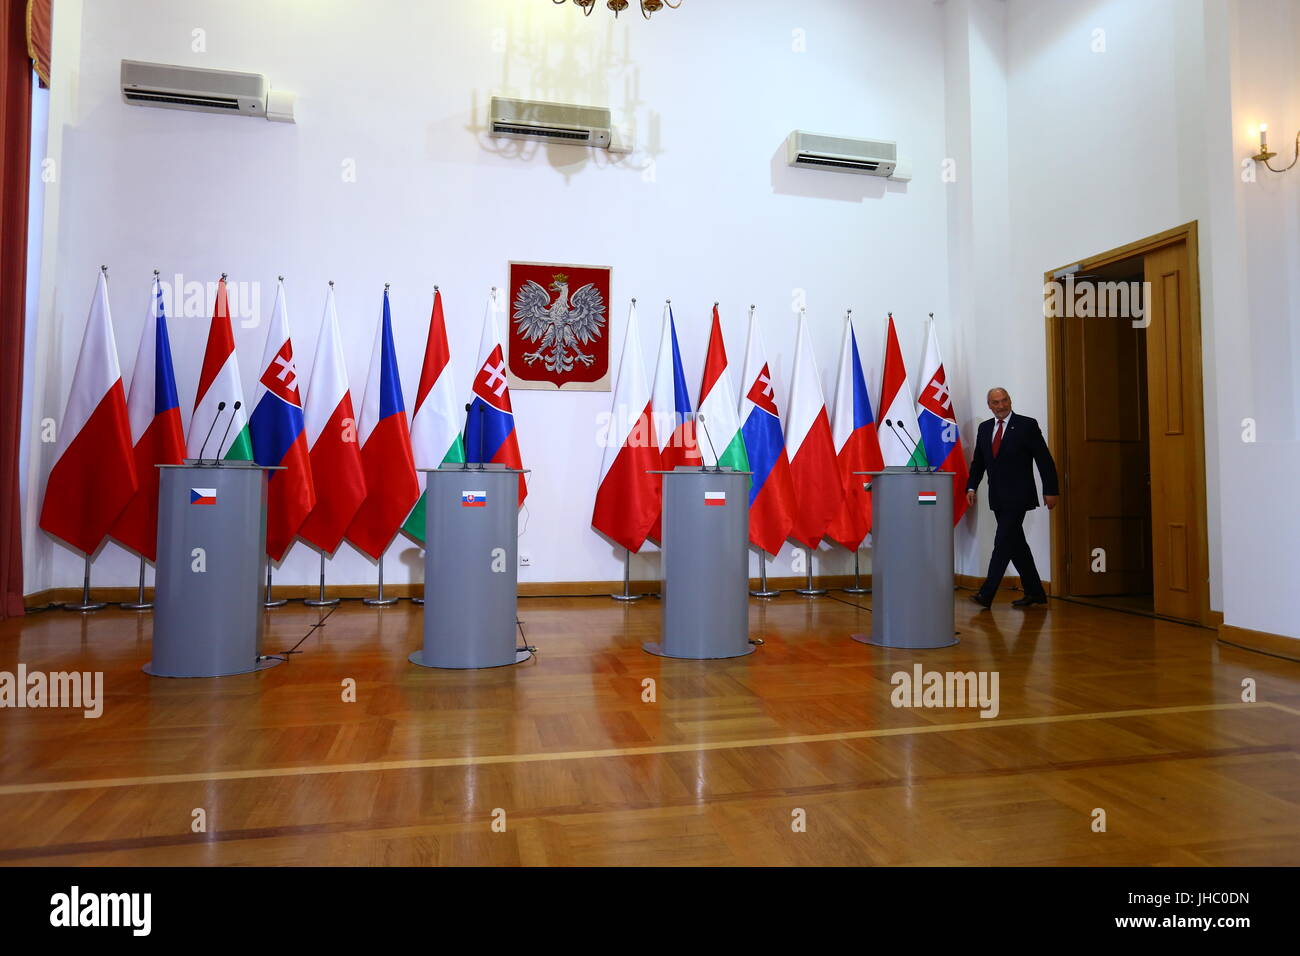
(1029, 600)
(981, 600)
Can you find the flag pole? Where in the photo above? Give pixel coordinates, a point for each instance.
(270, 602)
(857, 576)
(380, 600)
(763, 590)
(140, 604)
(322, 600)
(627, 594)
(809, 590)
(86, 604)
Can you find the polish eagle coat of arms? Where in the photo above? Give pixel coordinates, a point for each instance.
(558, 327)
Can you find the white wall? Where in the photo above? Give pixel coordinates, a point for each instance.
(401, 90)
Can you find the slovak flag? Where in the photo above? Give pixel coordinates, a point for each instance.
(771, 491)
(93, 477)
(857, 446)
(280, 437)
(155, 412)
(674, 426)
(490, 431)
(391, 485)
(936, 418)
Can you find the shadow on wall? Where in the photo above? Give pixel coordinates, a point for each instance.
(789, 180)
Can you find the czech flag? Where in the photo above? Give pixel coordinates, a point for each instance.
(155, 413)
(857, 446)
(490, 432)
(671, 402)
(280, 437)
(391, 485)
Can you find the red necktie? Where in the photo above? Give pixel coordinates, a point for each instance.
(997, 438)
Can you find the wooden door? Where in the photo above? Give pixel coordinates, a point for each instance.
(1180, 574)
(1107, 500)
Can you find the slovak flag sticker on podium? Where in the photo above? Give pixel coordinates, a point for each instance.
(715, 498)
(203, 496)
(473, 499)
(927, 497)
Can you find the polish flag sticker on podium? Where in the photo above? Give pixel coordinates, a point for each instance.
(203, 496)
(927, 497)
(715, 498)
(473, 499)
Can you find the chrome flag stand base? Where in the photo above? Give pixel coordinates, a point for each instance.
(140, 604)
(86, 603)
(321, 601)
(627, 594)
(763, 590)
(270, 602)
(857, 578)
(380, 600)
(809, 590)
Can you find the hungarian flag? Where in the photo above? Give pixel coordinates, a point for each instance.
(391, 485)
(627, 495)
(771, 491)
(674, 429)
(332, 444)
(937, 419)
(490, 434)
(900, 438)
(219, 382)
(280, 437)
(155, 415)
(93, 476)
(857, 446)
(718, 409)
(818, 491)
(436, 424)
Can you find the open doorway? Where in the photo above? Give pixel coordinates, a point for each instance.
(1126, 427)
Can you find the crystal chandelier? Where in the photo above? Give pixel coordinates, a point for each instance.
(618, 6)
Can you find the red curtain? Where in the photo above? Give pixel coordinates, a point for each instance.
(15, 156)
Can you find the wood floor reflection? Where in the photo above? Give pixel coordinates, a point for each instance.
(1142, 719)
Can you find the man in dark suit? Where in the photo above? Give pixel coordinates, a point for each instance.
(1006, 448)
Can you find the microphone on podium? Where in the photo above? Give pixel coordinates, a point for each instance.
(894, 427)
(464, 440)
(915, 444)
(227, 431)
(717, 466)
(221, 407)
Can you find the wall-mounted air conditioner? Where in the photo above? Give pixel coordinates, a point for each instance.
(872, 157)
(555, 122)
(204, 91)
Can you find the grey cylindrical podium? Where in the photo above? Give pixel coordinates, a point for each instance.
(471, 561)
(211, 568)
(705, 565)
(911, 570)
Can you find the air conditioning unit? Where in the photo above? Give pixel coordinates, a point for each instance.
(873, 157)
(556, 122)
(205, 91)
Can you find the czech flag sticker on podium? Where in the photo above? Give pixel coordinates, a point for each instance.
(203, 496)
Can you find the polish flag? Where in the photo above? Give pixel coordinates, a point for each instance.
(674, 426)
(490, 434)
(391, 486)
(628, 496)
(279, 436)
(155, 414)
(818, 491)
(93, 476)
(332, 443)
(857, 447)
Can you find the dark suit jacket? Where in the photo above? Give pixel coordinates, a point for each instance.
(1011, 473)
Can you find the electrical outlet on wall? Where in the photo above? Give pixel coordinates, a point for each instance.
(525, 560)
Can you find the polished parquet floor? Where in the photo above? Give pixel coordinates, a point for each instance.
(1141, 718)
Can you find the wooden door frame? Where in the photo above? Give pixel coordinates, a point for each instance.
(1056, 399)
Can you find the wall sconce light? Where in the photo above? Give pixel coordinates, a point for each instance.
(1265, 154)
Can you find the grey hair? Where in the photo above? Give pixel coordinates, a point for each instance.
(996, 388)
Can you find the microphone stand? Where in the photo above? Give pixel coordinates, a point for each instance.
(717, 466)
(221, 407)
